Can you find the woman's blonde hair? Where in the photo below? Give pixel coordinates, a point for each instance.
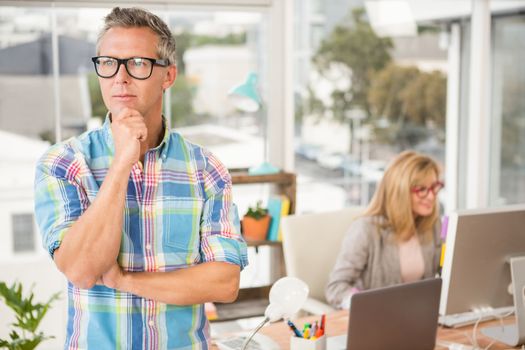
(392, 199)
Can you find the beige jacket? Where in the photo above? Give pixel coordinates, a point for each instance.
(369, 258)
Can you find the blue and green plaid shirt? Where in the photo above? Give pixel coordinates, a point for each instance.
(178, 213)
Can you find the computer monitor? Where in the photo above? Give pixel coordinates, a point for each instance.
(476, 269)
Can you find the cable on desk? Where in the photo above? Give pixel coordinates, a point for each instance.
(247, 341)
(474, 339)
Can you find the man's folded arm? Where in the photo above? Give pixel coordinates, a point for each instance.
(206, 282)
(88, 243)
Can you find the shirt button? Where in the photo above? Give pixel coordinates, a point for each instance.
(148, 246)
(151, 323)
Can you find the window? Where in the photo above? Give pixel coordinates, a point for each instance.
(23, 233)
(26, 72)
(507, 180)
(506, 159)
(362, 99)
(217, 49)
(219, 43)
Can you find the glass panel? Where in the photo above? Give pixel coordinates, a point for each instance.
(463, 113)
(508, 112)
(362, 99)
(23, 233)
(216, 51)
(26, 72)
(317, 7)
(80, 99)
(26, 118)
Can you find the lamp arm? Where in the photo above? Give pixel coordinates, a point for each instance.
(247, 341)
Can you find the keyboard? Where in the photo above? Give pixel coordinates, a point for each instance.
(468, 318)
(258, 342)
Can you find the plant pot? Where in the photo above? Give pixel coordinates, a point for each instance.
(255, 229)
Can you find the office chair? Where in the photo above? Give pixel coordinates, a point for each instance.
(311, 243)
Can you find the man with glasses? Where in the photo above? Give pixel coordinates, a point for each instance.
(139, 220)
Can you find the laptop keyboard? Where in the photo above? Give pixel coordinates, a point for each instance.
(237, 343)
(258, 342)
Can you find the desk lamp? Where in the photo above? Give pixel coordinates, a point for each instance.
(287, 296)
(247, 99)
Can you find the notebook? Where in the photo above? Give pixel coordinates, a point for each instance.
(403, 317)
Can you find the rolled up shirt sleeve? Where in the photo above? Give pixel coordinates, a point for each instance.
(58, 203)
(221, 238)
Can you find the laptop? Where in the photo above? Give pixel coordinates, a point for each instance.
(258, 342)
(403, 317)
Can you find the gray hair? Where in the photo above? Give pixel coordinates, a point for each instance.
(136, 17)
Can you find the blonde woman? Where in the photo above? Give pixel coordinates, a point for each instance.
(397, 239)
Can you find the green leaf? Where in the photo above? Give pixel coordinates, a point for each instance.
(28, 315)
(258, 212)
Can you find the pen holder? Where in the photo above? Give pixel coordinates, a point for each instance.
(297, 343)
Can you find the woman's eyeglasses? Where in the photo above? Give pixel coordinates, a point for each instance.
(423, 191)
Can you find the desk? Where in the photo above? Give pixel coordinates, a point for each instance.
(337, 323)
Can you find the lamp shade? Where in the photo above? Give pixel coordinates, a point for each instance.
(245, 96)
(287, 296)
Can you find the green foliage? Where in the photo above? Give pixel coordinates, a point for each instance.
(257, 212)
(47, 135)
(230, 39)
(182, 94)
(422, 29)
(411, 100)
(355, 46)
(402, 136)
(98, 108)
(405, 93)
(425, 99)
(183, 41)
(386, 95)
(28, 316)
(513, 125)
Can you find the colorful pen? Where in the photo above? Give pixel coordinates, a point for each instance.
(313, 329)
(319, 333)
(306, 325)
(294, 329)
(306, 333)
(323, 321)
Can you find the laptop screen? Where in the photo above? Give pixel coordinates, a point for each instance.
(403, 317)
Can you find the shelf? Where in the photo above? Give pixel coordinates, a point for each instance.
(286, 182)
(251, 302)
(240, 309)
(241, 176)
(263, 243)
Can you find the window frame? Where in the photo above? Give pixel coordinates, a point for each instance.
(279, 75)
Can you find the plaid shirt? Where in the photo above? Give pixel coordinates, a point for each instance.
(178, 213)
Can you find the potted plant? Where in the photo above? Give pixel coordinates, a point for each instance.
(255, 223)
(28, 313)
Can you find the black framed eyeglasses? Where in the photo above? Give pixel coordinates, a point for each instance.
(423, 191)
(137, 67)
